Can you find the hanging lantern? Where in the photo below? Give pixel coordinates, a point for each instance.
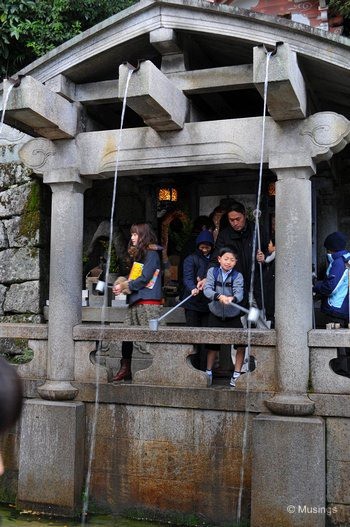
(167, 194)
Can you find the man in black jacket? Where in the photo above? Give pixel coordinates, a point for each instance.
(238, 235)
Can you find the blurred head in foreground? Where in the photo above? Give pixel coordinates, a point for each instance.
(11, 399)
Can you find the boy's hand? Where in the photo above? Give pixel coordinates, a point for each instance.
(194, 291)
(223, 299)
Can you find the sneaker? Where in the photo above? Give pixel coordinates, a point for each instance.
(233, 382)
(252, 363)
(249, 363)
(209, 377)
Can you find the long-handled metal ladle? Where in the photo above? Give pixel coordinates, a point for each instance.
(253, 314)
(154, 322)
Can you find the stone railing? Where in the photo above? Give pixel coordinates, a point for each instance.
(323, 347)
(170, 348)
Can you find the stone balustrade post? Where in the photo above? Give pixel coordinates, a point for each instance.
(65, 280)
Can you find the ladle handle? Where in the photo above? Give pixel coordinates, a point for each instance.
(244, 309)
(175, 307)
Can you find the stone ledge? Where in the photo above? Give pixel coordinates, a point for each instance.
(24, 331)
(220, 398)
(329, 338)
(330, 405)
(179, 335)
(214, 398)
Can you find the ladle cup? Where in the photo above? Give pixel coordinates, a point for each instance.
(154, 322)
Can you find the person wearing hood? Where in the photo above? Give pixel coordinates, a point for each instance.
(334, 292)
(195, 268)
(334, 288)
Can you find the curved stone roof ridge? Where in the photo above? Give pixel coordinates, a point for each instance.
(133, 22)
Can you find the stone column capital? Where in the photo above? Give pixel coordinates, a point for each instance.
(298, 165)
(66, 179)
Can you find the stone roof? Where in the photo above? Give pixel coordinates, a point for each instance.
(210, 36)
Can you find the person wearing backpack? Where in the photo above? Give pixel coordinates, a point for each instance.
(223, 286)
(334, 292)
(195, 268)
(334, 288)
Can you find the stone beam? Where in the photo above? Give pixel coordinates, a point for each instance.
(156, 99)
(103, 92)
(199, 146)
(34, 108)
(286, 95)
(209, 145)
(62, 86)
(164, 40)
(210, 80)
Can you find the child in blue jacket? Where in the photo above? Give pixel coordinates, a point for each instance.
(223, 286)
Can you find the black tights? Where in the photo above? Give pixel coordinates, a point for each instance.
(127, 347)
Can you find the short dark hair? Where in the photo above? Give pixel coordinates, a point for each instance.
(224, 250)
(236, 207)
(11, 395)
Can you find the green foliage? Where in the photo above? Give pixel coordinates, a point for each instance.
(181, 237)
(26, 356)
(31, 28)
(340, 7)
(114, 261)
(30, 219)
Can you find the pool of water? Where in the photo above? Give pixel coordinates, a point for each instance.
(10, 517)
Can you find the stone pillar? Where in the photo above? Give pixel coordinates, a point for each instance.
(65, 280)
(327, 214)
(293, 289)
(51, 457)
(288, 472)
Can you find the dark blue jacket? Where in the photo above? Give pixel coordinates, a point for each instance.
(334, 289)
(138, 288)
(195, 266)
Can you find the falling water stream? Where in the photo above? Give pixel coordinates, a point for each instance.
(7, 88)
(86, 493)
(256, 239)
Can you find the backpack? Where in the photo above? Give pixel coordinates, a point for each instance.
(233, 273)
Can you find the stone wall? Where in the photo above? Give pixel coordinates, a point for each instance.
(164, 462)
(24, 237)
(181, 461)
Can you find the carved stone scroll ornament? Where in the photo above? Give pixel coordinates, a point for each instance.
(11, 135)
(38, 154)
(329, 133)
